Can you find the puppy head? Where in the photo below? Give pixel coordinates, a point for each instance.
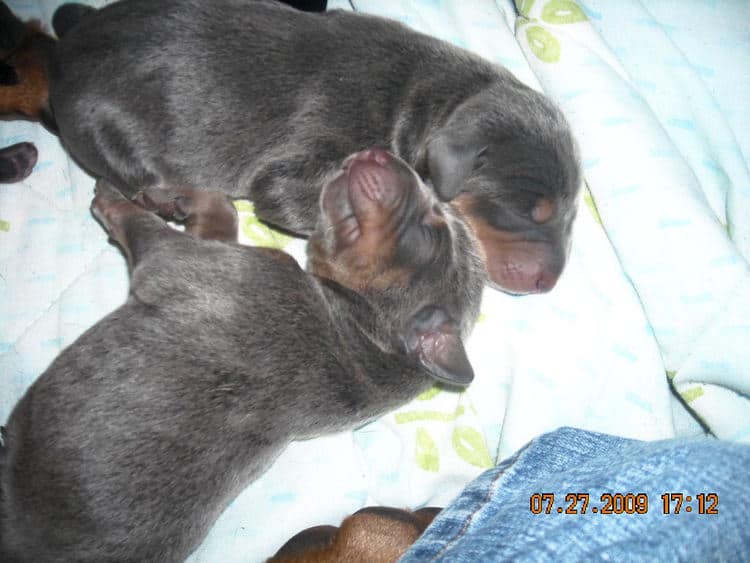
(384, 235)
(507, 159)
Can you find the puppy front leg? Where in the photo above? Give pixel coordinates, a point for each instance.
(205, 214)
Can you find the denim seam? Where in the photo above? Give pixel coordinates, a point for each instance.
(490, 491)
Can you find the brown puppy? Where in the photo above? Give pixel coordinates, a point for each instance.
(371, 535)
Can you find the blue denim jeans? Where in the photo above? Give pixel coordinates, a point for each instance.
(671, 500)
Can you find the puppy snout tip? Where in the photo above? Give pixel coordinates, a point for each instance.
(373, 155)
(546, 281)
(544, 284)
(377, 155)
(526, 283)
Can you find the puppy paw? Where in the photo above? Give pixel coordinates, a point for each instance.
(16, 162)
(209, 215)
(205, 214)
(162, 201)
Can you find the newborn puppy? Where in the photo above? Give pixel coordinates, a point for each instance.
(141, 432)
(260, 101)
(375, 534)
(16, 162)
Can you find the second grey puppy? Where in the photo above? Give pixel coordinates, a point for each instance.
(140, 433)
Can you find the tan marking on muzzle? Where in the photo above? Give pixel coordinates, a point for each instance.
(513, 263)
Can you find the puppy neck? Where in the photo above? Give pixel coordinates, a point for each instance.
(373, 352)
(356, 315)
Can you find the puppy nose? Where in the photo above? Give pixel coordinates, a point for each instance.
(373, 155)
(546, 281)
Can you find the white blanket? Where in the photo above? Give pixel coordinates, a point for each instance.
(668, 173)
(661, 289)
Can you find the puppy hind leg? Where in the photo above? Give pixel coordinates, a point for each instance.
(210, 215)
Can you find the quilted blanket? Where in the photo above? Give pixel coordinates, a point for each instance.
(645, 335)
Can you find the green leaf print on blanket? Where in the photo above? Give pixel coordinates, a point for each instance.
(4, 226)
(412, 416)
(427, 456)
(591, 204)
(257, 232)
(562, 11)
(470, 445)
(429, 394)
(524, 7)
(690, 395)
(446, 432)
(541, 40)
(544, 45)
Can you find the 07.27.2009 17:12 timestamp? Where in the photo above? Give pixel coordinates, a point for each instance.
(624, 503)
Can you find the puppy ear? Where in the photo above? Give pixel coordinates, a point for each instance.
(450, 162)
(433, 338)
(67, 16)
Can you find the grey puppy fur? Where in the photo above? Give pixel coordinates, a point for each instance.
(138, 435)
(259, 101)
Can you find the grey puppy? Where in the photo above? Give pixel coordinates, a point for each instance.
(138, 435)
(259, 101)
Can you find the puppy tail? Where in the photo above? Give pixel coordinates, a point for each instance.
(67, 16)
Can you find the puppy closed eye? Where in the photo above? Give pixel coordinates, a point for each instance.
(543, 210)
(532, 205)
(481, 159)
